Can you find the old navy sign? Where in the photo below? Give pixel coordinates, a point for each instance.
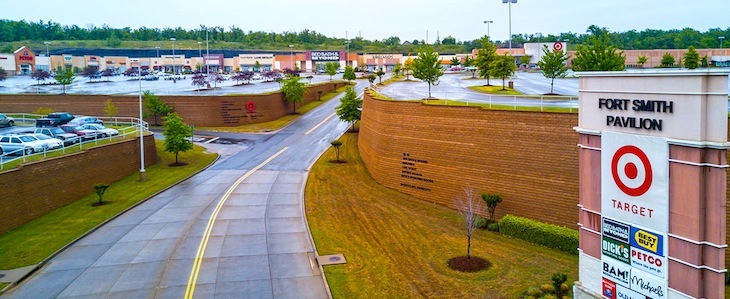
(635, 180)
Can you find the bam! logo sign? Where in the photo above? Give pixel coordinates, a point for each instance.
(635, 180)
(617, 272)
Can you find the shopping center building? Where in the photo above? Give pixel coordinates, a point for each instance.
(25, 60)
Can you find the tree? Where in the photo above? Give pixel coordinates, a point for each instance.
(216, 78)
(40, 75)
(178, 136)
(89, 72)
(349, 74)
(703, 61)
(455, 62)
(485, 56)
(468, 64)
(525, 59)
(336, 144)
(350, 107)
(492, 200)
(598, 55)
(110, 109)
(65, 78)
(408, 68)
(371, 78)
(256, 66)
(503, 67)
(294, 91)
(380, 74)
(245, 76)
(155, 106)
(99, 189)
(107, 73)
(331, 69)
(467, 208)
(3, 74)
(667, 60)
(691, 58)
(397, 69)
(552, 65)
(642, 60)
(199, 79)
(427, 67)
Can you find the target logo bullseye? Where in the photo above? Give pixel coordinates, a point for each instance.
(251, 107)
(557, 46)
(631, 170)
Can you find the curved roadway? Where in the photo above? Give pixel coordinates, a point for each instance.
(236, 230)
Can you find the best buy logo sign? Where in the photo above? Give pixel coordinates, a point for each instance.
(647, 240)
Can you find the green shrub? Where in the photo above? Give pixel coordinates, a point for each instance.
(547, 288)
(534, 292)
(493, 227)
(553, 236)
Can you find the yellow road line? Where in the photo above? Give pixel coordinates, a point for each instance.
(321, 123)
(192, 281)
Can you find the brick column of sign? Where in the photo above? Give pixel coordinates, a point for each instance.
(697, 220)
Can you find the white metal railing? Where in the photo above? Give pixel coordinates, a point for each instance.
(130, 130)
(471, 99)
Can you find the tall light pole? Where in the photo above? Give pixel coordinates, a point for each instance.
(207, 53)
(488, 22)
(721, 38)
(347, 54)
(200, 51)
(509, 2)
(142, 172)
(291, 56)
(539, 48)
(158, 51)
(173, 55)
(49, 55)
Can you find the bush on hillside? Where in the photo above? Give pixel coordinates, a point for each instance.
(553, 236)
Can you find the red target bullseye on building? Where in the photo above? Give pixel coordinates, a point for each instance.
(631, 170)
(251, 107)
(558, 46)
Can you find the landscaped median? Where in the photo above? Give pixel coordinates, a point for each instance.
(398, 246)
(39, 239)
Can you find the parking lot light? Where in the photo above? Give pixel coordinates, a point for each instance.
(173, 55)
(488, 22)
(509, 2)
(291, 56)
(721, 38)
(142, 172)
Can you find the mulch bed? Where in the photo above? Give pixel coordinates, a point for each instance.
(464, 264)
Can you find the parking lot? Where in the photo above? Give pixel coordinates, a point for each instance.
(123, 85)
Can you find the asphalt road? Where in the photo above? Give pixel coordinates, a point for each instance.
(236, 230)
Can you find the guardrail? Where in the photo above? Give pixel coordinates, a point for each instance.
(487, 100)
(131, 129)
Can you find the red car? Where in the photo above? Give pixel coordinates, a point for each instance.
(78, 130)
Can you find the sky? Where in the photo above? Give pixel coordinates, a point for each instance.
(379, 19)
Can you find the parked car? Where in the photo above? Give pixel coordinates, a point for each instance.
(100, 130)
(21, 144)
(6, 121)
(82, 120)
(78, 130)
(51, 143)
(60, 118)
(45, 122)
(58, 133)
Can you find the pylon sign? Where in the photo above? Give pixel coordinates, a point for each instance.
(635, 179)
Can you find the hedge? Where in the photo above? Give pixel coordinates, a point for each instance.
(553, 236)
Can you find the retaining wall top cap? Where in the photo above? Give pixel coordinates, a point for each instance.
(656, 72)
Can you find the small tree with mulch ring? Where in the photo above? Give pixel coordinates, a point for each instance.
(467, 208)
(336, 144)
(100, 189)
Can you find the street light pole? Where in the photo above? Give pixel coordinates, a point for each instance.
(142, 172)
(347, 55)
(49, 55)
(488, 22)
(539, 48)
(200, 51)
(158, 51)
(291, 56)
(721, 38)
(173, 56)
(509, 2)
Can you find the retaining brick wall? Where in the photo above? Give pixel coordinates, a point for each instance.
(37, 188)
(210, 111)
(433, 152)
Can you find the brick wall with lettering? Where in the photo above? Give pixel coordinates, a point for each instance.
(433, 152)
(211, 111)
(35, 189)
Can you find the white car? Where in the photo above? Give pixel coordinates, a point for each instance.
(51, 143)
(101, 131)
(21, 144)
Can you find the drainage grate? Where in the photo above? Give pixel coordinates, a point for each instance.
(334, 259)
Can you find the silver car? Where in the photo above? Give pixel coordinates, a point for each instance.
(21, 144)
(6, 121)
(101, 131)
(51, 143)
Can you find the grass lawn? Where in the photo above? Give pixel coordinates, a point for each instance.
(38, 239)
(397, 246)
(496, 90)
(279, 123)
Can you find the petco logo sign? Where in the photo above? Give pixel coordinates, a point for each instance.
(634, 187)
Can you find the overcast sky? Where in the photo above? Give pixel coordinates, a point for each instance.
(379, 19)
